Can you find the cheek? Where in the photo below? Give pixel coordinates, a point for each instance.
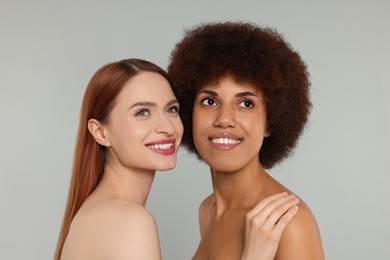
(256, 121)
(130, 131)
(119, 139)
(178, 125)
(199, 119)
(260, 130)
(196, 128)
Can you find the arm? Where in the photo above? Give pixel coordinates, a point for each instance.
(265, 224)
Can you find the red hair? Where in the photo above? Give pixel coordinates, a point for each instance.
(89, 156)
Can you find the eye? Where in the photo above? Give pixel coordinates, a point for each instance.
(209, 102)
(246, 104)
(143, 112)
(173, 109)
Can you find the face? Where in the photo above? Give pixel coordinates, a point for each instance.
(229, 125)
(144, 129)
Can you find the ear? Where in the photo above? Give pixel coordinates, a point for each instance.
(267, 130)
(98, 132)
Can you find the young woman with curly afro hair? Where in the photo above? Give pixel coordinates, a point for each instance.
(244, 98)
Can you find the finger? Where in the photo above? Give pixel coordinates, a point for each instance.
(275, 216)
(267, 210)
(284, 221)
(263, 203)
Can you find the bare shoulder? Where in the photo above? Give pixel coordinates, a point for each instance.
(301, 239)
(115, 230)
(204, 212)
(206, 204)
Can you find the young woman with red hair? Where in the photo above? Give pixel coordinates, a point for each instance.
(129, 128)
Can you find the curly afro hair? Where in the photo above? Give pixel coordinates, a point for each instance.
(253, 55)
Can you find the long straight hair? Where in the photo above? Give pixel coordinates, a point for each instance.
(89, 157)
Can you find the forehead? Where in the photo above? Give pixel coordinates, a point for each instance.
(146, 85)
(230, 84)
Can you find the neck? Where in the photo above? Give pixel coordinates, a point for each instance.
(240, 189)
(132, 185)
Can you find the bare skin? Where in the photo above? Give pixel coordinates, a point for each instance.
(265, 225)
(142, 136)
(226, 230)
(229, 124)
(113, 224)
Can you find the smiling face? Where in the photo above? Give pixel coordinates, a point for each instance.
(144, 129)
(229, 125)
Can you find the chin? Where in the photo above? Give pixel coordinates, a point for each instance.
(220, 167)
(224, 165)
(166, 166)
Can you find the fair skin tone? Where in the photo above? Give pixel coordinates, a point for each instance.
(229, 125)
(143, 134)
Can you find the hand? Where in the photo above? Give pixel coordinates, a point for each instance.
(265, 224)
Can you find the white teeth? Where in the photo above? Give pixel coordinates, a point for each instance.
(160, 146)
(225, 141)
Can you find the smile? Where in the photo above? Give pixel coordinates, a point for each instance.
(160, 146)
(225, 141)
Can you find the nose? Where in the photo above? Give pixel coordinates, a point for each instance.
(225, 117)
(164, 125)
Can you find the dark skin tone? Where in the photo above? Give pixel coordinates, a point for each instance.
(229, 124)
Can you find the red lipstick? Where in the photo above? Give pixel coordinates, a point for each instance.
(163, 147)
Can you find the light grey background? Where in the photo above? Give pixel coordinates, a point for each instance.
(50, 49)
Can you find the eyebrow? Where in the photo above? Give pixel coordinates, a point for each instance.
(246, 94)
(241, 94)
(210, 92)
(173, 101)
(152, 104)
(143, 104)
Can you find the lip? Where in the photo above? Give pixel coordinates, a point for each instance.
(225, 142)
(161, 146)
